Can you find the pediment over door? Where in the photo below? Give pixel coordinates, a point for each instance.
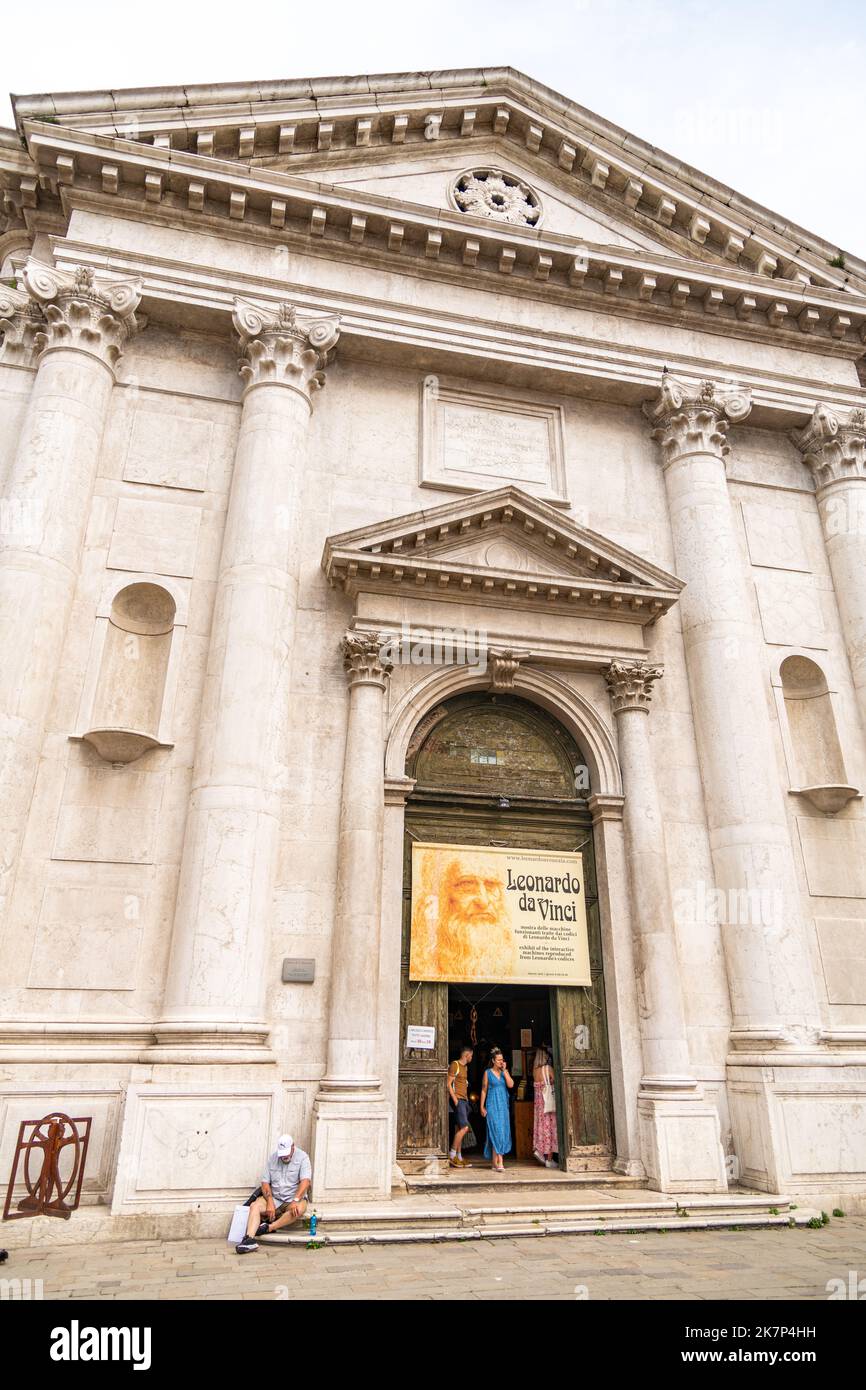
(501, 548)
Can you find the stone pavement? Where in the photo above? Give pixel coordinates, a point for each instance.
(728, 1264)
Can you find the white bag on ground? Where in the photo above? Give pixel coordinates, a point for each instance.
(238, 1228)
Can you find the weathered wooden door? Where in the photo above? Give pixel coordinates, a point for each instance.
(493, 770)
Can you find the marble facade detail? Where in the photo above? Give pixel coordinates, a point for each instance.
(22, 324)
(538, 442)
(214, 997)
(771, 987)
(833, 446)
(83, 324)
(94, 316)
(350, 1108)
(691, 419)
(680, 1133)
(491, 193)
(284, 347)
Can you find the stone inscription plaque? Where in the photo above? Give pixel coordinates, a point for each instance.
(472, 440)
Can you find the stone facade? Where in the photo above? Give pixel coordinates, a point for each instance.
(579, 399)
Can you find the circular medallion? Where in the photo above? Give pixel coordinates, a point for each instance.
(500, 196)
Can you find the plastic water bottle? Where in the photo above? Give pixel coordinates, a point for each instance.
(313, 1224)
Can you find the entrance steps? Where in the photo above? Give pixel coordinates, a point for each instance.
(529, 1178)
(565, 1208)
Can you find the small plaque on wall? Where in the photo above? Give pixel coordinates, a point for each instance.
(299, 970)
(419, 1037)
(474, 440)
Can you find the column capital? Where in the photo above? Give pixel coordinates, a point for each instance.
(365, 658)
(833, 445)
(22, 325)
(93, 314)
(692, 417)
(630, 684)
(282, 346)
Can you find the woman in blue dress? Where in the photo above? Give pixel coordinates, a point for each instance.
(494, 1107)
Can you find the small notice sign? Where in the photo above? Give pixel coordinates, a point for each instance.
(421, 1037)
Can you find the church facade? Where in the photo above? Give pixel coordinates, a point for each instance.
(569, 553)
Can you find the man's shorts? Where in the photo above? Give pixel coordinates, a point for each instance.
(461, 1114)
(284, 1206)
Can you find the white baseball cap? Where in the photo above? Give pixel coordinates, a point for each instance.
(285, 1144)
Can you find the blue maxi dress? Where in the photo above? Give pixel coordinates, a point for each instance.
(498, 1119)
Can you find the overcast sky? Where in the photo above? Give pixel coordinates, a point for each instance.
(768, 96)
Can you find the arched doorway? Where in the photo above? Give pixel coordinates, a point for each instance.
(496, 770)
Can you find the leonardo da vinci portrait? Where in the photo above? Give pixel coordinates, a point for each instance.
(461, 920)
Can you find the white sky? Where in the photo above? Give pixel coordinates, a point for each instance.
(765, 95)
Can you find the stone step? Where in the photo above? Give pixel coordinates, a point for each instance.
(468, 1222)
(483, 1181)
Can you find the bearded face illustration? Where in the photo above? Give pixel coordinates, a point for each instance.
(461, 928)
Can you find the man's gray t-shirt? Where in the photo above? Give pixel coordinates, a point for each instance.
(284, 1178)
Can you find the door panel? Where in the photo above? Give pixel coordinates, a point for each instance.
(422, 1111)
(578, 1015)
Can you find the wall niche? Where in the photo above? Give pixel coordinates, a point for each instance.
(132, 675)
(815, 752)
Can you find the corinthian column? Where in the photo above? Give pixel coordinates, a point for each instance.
(769, 977)
(835, 451)
(215, 992)
(79, 323)
(680, 1139)
(353, 1125)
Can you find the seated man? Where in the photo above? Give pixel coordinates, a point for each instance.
(285, 1185)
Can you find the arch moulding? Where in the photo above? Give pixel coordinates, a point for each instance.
(539, 686)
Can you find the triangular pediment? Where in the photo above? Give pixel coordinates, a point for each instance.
(428, 178)
(502, 547)
(358, 133)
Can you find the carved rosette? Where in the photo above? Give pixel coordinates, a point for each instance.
(282, 346)
(21, 323)
(693, 419)
(365, 658)
(630, 684)
(94, 314)
(834, 448)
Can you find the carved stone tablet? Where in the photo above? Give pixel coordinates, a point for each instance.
(472, 440)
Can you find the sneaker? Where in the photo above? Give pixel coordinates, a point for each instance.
(246, 1246)
(456, 1162)
(539, 1158)
(550, 1163)
(264, 1230)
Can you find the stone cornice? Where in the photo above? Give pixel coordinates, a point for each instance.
(287, 119)
(124, 175)
(834, 446)
(613, 369)
(689, 419)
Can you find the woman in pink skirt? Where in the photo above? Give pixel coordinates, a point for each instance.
(544, 1138)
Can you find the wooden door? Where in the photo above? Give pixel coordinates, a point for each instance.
(523, 800)
(582, 1057)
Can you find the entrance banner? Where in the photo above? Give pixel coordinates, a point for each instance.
(498, 915)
